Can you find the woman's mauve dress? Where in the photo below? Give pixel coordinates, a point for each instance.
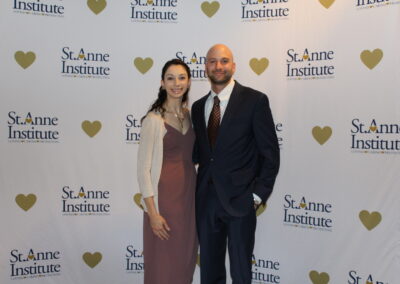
(173, 261)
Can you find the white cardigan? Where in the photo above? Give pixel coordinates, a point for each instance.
(150, 156)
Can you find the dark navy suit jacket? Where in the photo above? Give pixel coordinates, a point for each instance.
(245, 159)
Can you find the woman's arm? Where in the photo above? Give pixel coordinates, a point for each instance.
(148, 136)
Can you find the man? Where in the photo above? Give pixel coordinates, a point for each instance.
(238, 155)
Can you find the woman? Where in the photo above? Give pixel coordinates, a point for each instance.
(167, 180)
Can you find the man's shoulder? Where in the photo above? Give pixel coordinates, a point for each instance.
(250, 92)
(200, 101)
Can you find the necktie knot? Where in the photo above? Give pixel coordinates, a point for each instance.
(216, 100)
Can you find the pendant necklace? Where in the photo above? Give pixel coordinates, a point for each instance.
(179, 117)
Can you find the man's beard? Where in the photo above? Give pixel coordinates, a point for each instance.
(222, 81)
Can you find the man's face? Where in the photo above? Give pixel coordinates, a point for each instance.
(219, 65)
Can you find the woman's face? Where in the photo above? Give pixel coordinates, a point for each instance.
(176, 82)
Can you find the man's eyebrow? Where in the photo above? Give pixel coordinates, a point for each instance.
(218, 58)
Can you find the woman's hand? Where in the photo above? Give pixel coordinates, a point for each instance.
(159, 226)
(157, 222)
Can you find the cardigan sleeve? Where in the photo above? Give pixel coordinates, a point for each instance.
(148, 135)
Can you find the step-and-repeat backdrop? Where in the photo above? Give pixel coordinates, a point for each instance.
(77, 76)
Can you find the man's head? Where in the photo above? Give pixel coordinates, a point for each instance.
(220, 66)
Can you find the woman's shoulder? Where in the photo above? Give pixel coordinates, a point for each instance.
(153, 120)
(153, 116)
(186, 111)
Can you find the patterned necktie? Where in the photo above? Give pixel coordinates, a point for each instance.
(213, 122)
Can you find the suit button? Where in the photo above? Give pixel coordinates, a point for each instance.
(212, 160)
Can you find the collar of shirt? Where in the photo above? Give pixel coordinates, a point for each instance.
(223, 96)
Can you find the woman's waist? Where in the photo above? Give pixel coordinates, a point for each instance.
(177, 160)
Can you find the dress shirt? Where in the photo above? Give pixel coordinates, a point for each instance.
(223, 96)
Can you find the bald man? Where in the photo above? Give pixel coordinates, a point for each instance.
(238, 156)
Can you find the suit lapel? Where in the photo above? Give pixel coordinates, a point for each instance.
(201, 118)
(233, 104)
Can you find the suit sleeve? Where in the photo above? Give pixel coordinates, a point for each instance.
(268, 148)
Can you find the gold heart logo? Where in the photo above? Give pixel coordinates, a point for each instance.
(371, 59)
(261, 209)
(259, 66)
(150, 2)
(143, 65)
(24, 59)
(305, 57)
(91, 128)
(28, 120)
(370, 220)
(25, 201)
(368, 282)
(326, 3)
(96, 5)
(136, 198)
(321, 134)
(31, 256)
(373, 128)
(81, 194)
(92, 259)
(302, 205)
(319, 278)
(210, 8)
